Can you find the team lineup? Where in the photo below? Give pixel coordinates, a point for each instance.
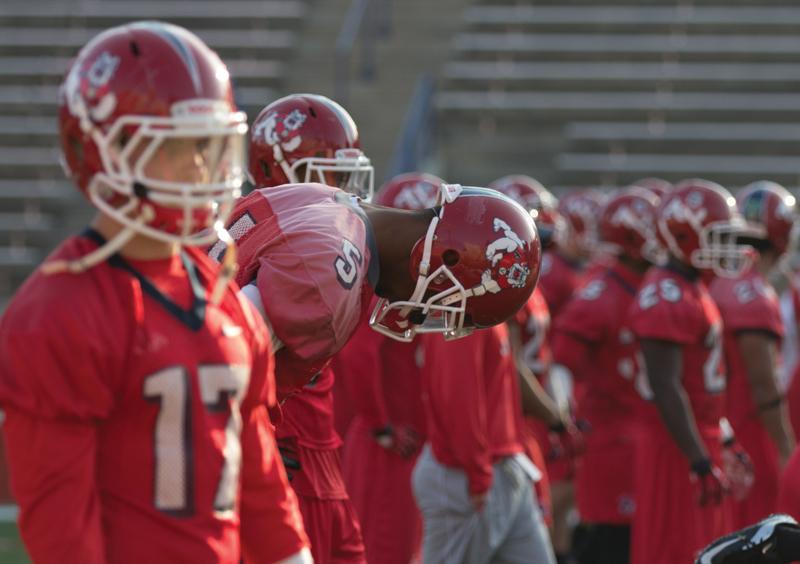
(324, 371)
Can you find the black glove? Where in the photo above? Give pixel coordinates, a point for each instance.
(773, 540)
(287, 446)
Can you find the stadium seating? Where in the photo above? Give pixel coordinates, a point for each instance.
(604, 92)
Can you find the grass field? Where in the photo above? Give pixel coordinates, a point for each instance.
(11, 550)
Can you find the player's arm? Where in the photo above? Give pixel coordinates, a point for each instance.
(758, 352)
(535, 401)
(271, 524)
(460, 365)
(664, 361)
(53, 469)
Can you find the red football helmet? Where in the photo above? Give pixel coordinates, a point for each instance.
(627, 225)
(580, 209)
(657, 186)
(698, 224)
(770, 208)
(410, 191)
(538, 200)
(308, 138)
(151, 135)
(476, 266)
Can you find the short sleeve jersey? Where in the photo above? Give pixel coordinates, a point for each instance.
(167, 392)
(747, 303)
(597, 316)
(670, 307)
(309, 249)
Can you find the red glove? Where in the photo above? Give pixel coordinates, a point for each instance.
(402, 441)
(566, 440)
(711, 482)
(738, 469)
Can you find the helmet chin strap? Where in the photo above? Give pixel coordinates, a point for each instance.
(100, 254)
(229, 265)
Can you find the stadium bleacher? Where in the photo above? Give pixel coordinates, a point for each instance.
(601, 93)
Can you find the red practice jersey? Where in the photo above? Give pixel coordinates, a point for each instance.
(591, 338)
(669, 525)
(472, 402)
(309, 249)
(670, 307)
(749, 303)
(137, 424)
(558, 280)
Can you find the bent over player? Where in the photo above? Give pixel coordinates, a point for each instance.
(134, 379)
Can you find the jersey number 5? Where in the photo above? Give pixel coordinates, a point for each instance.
(347, 264)
(222, 388)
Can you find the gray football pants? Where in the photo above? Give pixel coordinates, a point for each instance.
(509, 529)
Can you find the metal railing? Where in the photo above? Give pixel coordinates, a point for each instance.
(367, 20)
(415, 141)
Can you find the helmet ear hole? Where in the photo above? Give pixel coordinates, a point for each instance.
(312, 111)
(265, 168)
(450, 257)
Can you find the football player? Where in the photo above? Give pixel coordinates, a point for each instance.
(134, 379)
(753, 330)
(593, 344)
(529, 331)
(298, 138)
(679, 487)
(383, 380)
(472, 481)
(312, 256)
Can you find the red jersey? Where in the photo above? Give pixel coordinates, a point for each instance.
(472, 403)
(558, 279)
(670, 307)
(748, 303)
(136, 419)
(534, 323)
(309, 249)
(591, 337)
(383, 379)
(789, 492)
(309, 415)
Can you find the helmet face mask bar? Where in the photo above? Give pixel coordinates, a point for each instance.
(197, 205)
(351, 169)
(720, 250)
(451, 269)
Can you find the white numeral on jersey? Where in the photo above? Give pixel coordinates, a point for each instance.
(222, 388)
(347, 264)
(713, 377)
(169, 388)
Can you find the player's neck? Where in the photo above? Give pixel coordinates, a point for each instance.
(765, 263)
(685, 270)
(139, 247)
(396, 233)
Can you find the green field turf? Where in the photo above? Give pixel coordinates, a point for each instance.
(11, 550)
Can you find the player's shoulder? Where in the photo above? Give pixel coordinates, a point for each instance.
(85, 301)
(665, 289)
(748, 301)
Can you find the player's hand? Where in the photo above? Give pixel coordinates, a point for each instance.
(402, 441)
(738, 469)
(287, 446)
(710, 482)
(566, 440)
(478, 501)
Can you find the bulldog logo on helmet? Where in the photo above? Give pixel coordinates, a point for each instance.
(283, 130)
(508, 269)
(87, 89)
